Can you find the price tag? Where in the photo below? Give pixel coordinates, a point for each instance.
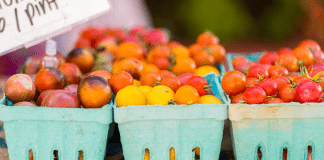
(27, 22)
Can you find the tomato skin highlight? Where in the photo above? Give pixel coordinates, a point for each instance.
(254, 95)
(308, 91)
(280, 80)
(269, 58)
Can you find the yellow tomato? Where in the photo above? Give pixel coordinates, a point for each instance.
(130, 96)
(160, 95)
(145, 89)
(209, 99)
(136, 83)
(204, 70)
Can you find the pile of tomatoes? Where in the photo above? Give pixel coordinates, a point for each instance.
(286, 76)
(148, 69)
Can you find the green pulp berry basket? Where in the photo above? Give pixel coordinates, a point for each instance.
(63, 130)
(182, 127)
(271, 128)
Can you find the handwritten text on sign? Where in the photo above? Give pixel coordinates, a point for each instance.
(22, 21)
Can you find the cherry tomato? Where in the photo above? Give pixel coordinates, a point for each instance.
(150, 78)
(203, 58)
(269, 86)
(165, 73)
(284, 51)
(171, 82)
(272, 100)
(207, 38)
(319, 56)
(237, 98)
(186, 95)
(257, 71)
(254, 95)
(288, 61)
(304, 54)
(120, 80)
(300, 79)
(280, 80)
(269, 58)
(313, 72)
(317, 65)
(233, 83)
(184, 77)
(277, 71)
(308, 91)
(241, 63)
(287, 93)
(199, 83)
(252, 81)
(308, 43)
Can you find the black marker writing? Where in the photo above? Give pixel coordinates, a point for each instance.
(17, 21)
(30, 7)
(37, 10)
(51, 1)
(2, 24)
(42, 4)
(6, 3)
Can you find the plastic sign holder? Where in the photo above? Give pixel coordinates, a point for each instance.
(24, 23)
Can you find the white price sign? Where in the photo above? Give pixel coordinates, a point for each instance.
(24, 22)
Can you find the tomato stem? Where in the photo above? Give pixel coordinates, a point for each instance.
(172, 102)
(206, 87)
(157, 84)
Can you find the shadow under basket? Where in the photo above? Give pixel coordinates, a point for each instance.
(164, 130)
(277, 131)
(64, 133)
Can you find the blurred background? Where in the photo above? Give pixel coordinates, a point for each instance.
(241, 25)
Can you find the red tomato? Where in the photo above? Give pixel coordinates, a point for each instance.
(300, 79)
(237, 98)
(308, 91)
(257, 71)
(199, 83)
(120, 80)
(287, 93)
(269, 58)
(284, 51)
(318, 56)
(254, 95)
(252, 81)
(171, 82)
(184, 77)
(317, 65)
(272, 100)
(280, 80)
(308, 43)
(233, 83)
(269, 86)
(277, 71)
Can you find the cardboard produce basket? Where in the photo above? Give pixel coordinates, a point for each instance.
(159, 128)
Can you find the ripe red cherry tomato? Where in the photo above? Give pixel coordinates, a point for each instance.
(184, 77)
(284, 51)
(269, 86)
(237, 98)
(199, 83)
(233, 83)
(308, 91)
(269, 58)
(257, 71)
(252, 81)
(280, 80)
(277, 71)
(254, 95)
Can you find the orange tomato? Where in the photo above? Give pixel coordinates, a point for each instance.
(304, 54)
(194, 49)
(186, 95)
(218, 52)
(159, 51)
(129, 49)
(180, 52)
(289, 61)
(161, 62)
(184, 65)
(207, 38)
(150, 68)
(130, 65)
(174, 44)
(203, 58)
(165, 73)
(120, 80)
(171, 82)
(150, 78)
